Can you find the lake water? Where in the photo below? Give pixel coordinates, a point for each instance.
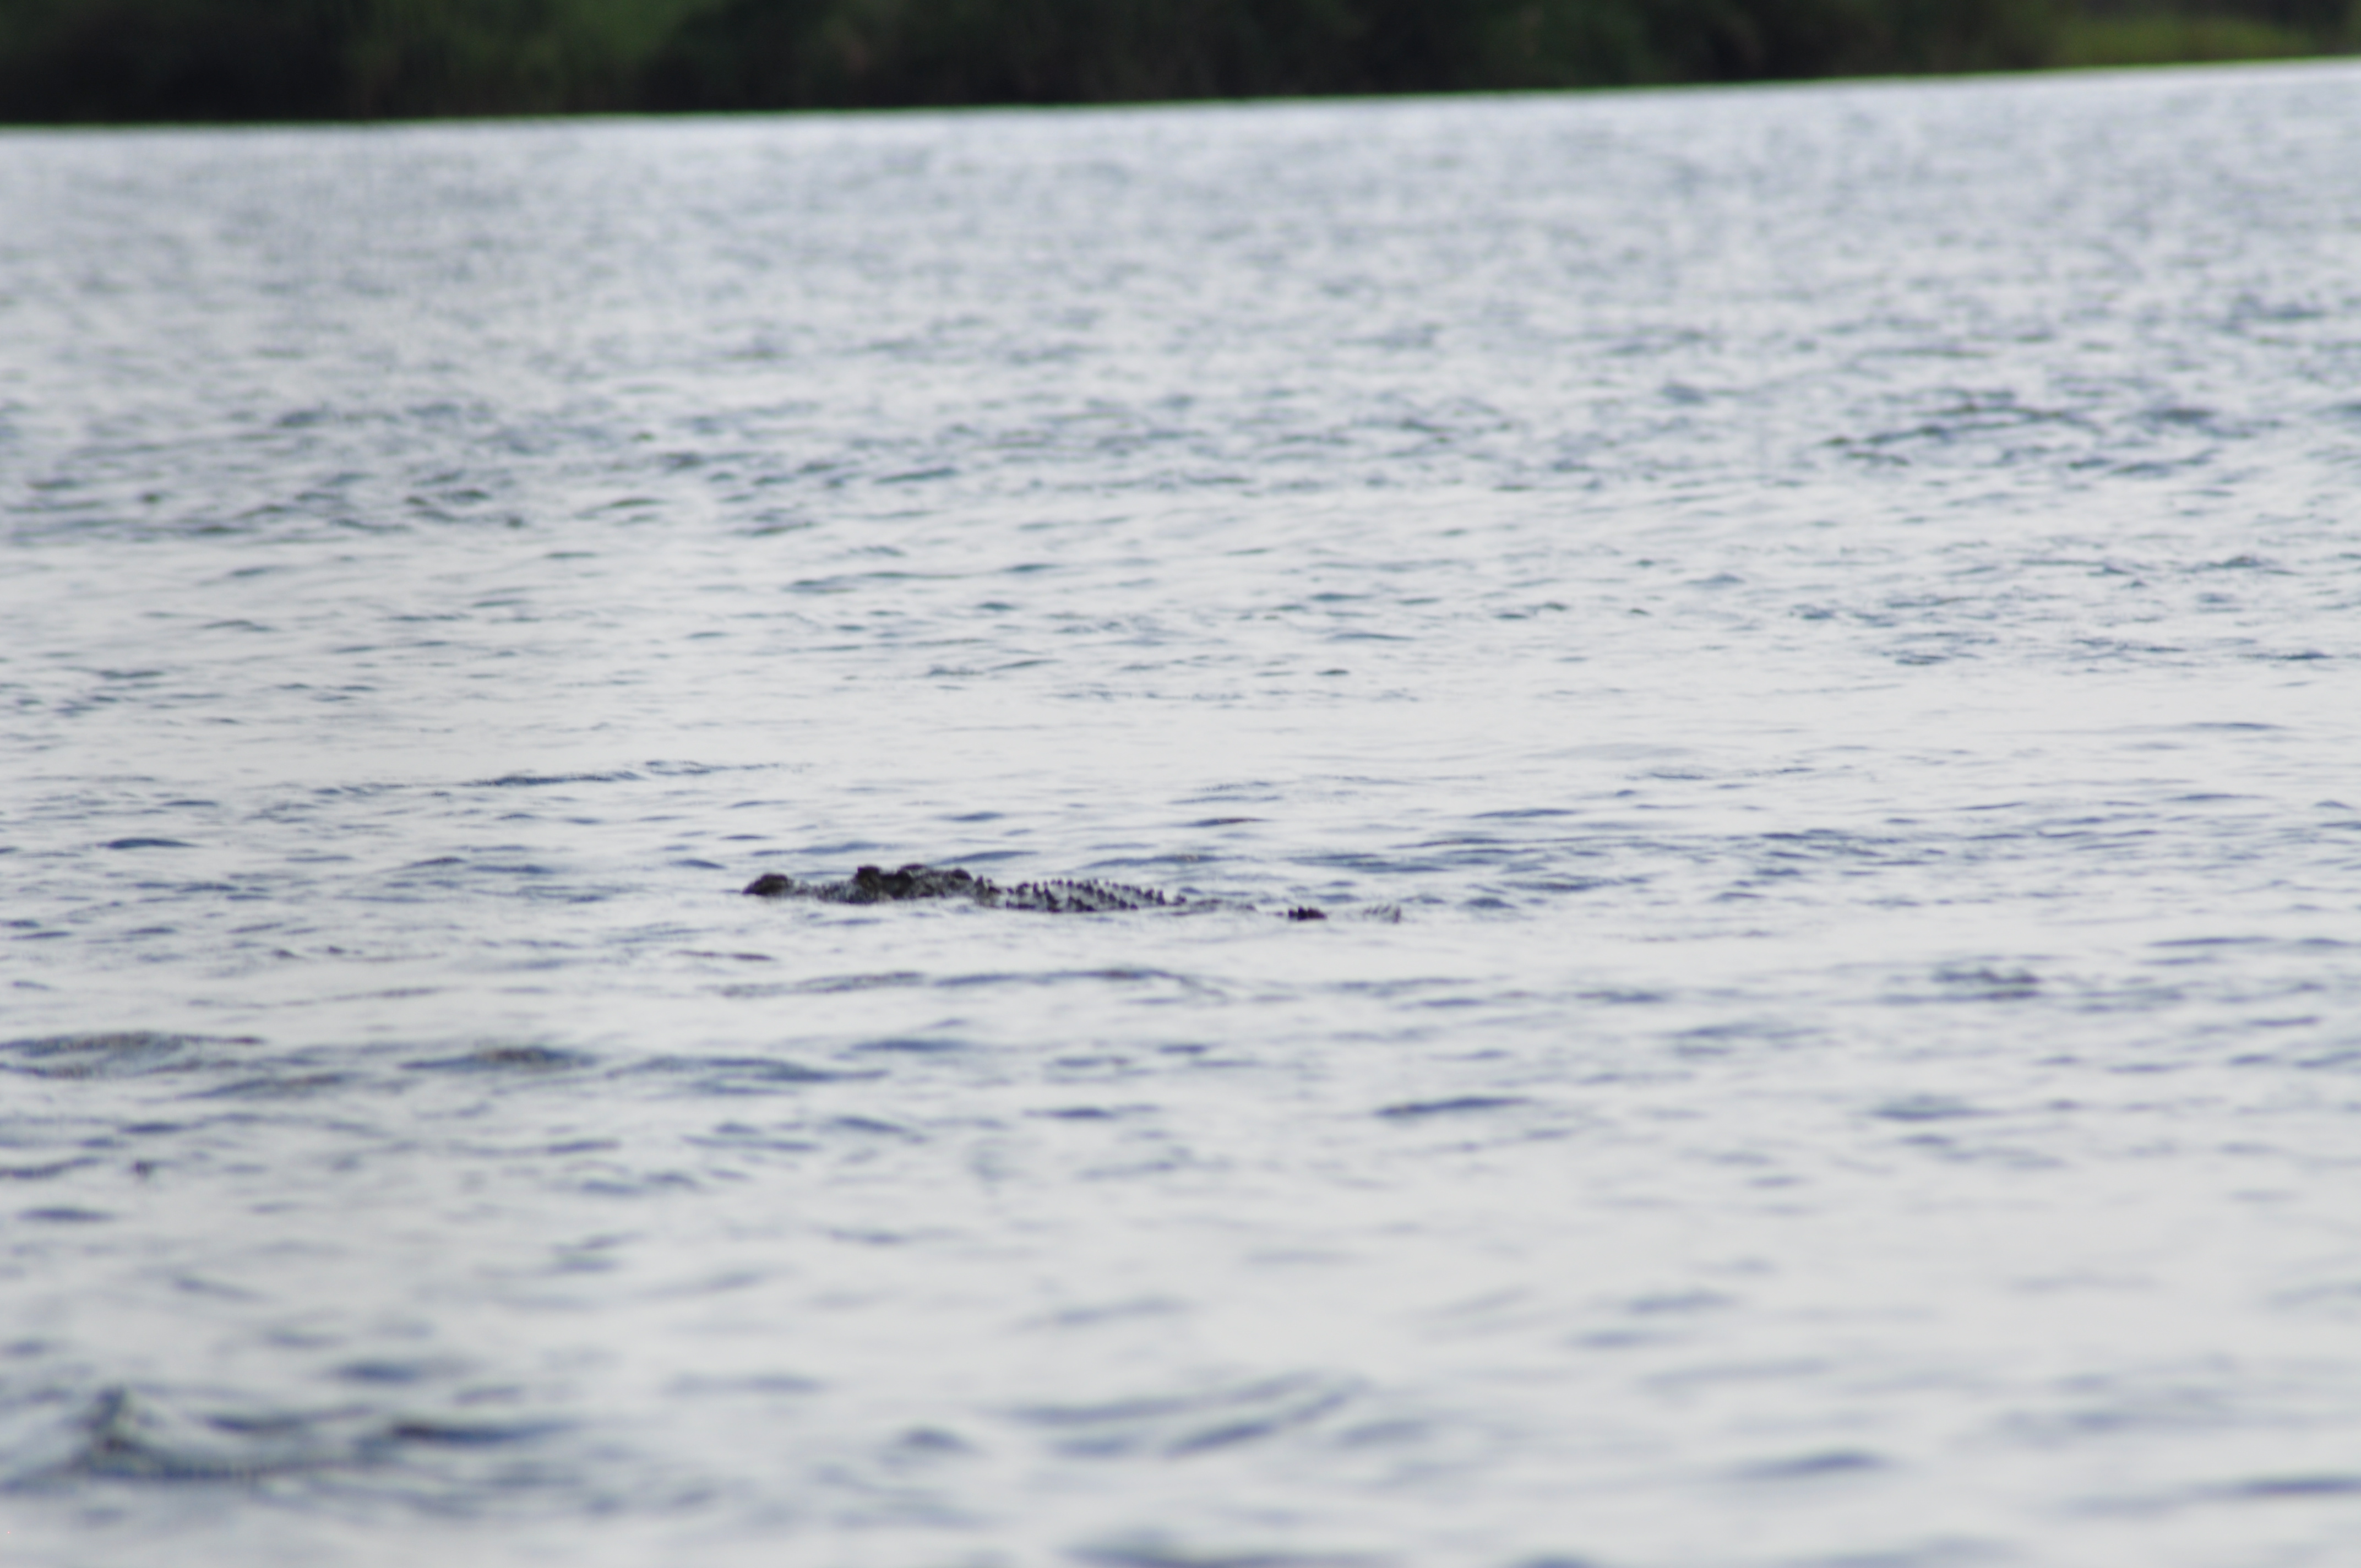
(1832, 615)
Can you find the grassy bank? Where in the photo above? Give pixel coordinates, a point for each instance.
(64, 61)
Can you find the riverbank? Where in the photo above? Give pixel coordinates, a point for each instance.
(146, 60)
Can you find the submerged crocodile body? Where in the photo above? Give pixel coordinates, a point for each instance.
(1055, 897)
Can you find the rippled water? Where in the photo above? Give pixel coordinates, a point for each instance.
(1830, 612)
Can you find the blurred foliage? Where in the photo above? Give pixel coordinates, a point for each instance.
(874, 52)
(211, 59)
(2173, 40)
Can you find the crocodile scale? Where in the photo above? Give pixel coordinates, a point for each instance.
(871, 884)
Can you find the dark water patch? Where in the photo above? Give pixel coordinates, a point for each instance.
(891, 981)
(2340, 1489)
(123, 1436)
(759, 1384)
(1388, 1433)
(1548, 884)
(1118, 1311)
(1723, 1039)
(2095, 1406)
(470, 1434)
(131, 1054)
(1118, 975)
(911, 1045)
(44, 1172)
(1178, 1425)
(1814, 841)
(1378, 865)
(1812, 1467)
(281, 1086)
(871, 1126)
(871, 1236)
(1946, 1552)
(662, 768)
(2290, 1488)
(1413, 987)
(381, 1371)
(1167, 1552)
(1678, 1303)
(539, 781)
(1415, 1110)
(739, 1075)
(65, 1216)
(1984, 983)
(507, 1059)
(738, 1135)
(147, 844)
(645, 1184)
(345, 792)
(925, 1446)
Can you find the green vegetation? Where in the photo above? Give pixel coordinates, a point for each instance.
(221, 59)
(2174, 38)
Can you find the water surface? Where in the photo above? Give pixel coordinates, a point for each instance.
(1829, 614)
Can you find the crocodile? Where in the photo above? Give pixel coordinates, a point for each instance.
(1055, 896)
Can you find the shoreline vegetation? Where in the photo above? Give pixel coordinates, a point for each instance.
(119, 62)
